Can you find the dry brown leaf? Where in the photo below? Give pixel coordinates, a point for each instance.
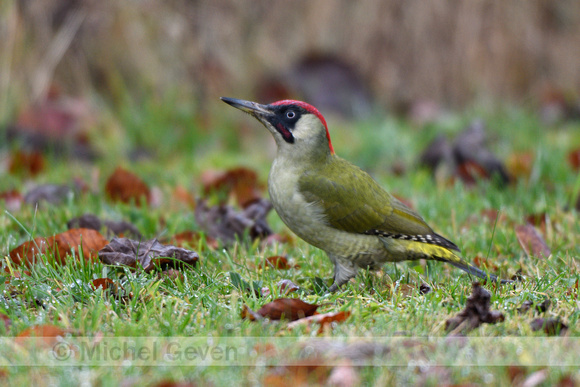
(47, 335)
(531, 241)
(286, 286)
(28, 163)
(287, 308)
(125, 186)
(305, 372)
(574, 159)
(104, 283)
(485, 263)
(277, 262)
(520, 164)
(476, 311)
(182, 195)
(324, 320)
(61, 246)
(538, 220)
(405, 289)
(91, 241)
(228, 225)
(240, 182)
(146, 254)
(550, 326)
(6, 321)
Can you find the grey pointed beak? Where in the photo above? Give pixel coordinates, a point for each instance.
(252, 108)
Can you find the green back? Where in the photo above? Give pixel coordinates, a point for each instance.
(353, 201)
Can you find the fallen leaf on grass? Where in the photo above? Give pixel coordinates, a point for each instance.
(574, 159)
(551, 326)
(538, 220)
(6, 321)
(468, 157)
(227, 225)
(61, 245)
(110, 227)
(28, 163)
(277, 262)
(567, 381)
(287, 308)
(50, 193)
(46, 335)
(57, 123)
(125, 186)
(485, 263)
(104, 283)
(532, 242)
(324, 320)
(424, 288)
(182, 195)
(476, 311)
(146, 254)
(305, 372)
(540, 307)
(240, 182)
(520, 164)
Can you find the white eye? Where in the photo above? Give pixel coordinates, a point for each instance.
(290, 114)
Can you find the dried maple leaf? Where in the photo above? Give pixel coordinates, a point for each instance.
(531, 241)
(147, 254)
(476, 311)
(288, 308)
(125, 186)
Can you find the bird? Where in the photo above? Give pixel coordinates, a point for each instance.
(337, 207)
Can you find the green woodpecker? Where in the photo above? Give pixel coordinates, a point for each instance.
(334, 205)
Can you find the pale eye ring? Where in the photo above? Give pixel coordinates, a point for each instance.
(290, 114)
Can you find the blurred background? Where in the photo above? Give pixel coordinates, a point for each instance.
(131, 70)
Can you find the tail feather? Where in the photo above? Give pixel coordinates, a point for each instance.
(461, 264)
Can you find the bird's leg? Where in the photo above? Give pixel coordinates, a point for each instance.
(344, 270)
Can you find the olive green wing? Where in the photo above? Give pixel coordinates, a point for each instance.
(351, 200)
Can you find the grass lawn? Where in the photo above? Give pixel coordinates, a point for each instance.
(384, 306)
